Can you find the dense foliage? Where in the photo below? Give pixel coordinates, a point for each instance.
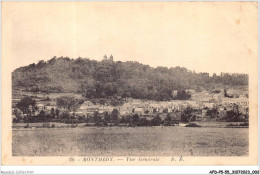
(68, 102)
(117, 79)
(25, 103)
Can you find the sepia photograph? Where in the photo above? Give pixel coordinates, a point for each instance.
(129, 83)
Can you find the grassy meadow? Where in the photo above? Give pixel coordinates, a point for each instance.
(126, 141)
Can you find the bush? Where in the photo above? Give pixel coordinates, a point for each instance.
(231, 125)
(244, 124)
(167, 123)
(26, 126)
(192, 125)
(16, 120)
(105, 123)
(81, 101)
(74, 125)
(143, 122)
(156, 121)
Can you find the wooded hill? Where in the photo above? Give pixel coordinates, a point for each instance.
(106, 78)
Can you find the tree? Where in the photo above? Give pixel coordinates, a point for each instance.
(42, 116)
(135, 119)
(81, 118)
(24, 104)
(114, 116)
(114, 101)
(65, 115)
(146, 111)
(213, 113)
(41, 64)
(168, 120)
(156, 121)
(106, 117)
(226, 95)
(123, 119)
(68, 102)
(182, 95)
(97, 118)
(52, 113)
(143, 122)
(57, 112)
(129, 119)
(186, 115)
(17, 113)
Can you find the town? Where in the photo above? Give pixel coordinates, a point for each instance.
(68, 109)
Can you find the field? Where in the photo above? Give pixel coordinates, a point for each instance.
(141, 141)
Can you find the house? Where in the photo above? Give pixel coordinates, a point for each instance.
(243, 110)
(87, 108)
(176, 107)
(193, 104)
(76, 114)
(243, 101)
(229, 107)
(40, 107)
(235, 108)
(88, 103)
(170, 109)
(183, 106)
(83, 109)
(161, 110)
(174, 93)
(139, 111)
(222, 112)
(50, 107)
(125, 110)
(164, 104)
(217, 97)
(209, 105)
(155, 107)
(204, 112)
(92, 109)
(107, 109)
(148, 110)
(46, 125)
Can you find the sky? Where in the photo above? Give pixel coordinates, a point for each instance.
(209, 37)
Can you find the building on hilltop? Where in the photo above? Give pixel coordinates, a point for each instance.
(111, 57)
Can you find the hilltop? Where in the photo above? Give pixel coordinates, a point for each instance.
(102, 79)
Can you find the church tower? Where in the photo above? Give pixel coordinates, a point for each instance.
(111, 57)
